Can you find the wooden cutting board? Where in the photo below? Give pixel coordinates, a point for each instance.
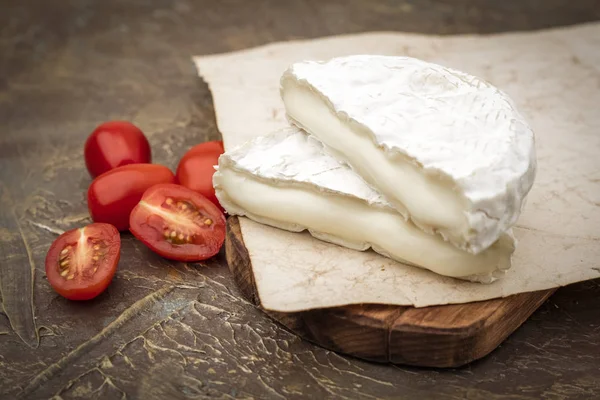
(439, 336)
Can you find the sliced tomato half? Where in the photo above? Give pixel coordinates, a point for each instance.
(178, 223)
(82, 262)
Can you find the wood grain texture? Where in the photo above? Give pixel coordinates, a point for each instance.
(440, 336)
(65, 67)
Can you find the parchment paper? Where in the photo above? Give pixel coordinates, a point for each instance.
(554, 77)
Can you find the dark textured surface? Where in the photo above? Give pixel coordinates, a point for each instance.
(168, 330)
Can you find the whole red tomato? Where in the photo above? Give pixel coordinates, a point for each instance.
(196, 169)
(113, 195)
(114, 144)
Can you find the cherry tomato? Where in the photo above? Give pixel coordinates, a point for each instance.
(178, 223)
(196, 169)
(216, 146)
(112, 195)
(81, 262)
(114, 144)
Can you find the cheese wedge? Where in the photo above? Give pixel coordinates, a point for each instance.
(447, 150)
(288, 180)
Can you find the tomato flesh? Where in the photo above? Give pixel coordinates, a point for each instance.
(114, 144)
(81, 263)
(178, 223)
(196, 169)
(113, 195)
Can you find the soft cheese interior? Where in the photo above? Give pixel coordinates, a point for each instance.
(289, 181)
(446, 149)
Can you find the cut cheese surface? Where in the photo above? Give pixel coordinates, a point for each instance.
(288, 180)
(446, 149)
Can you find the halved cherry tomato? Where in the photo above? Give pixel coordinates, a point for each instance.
(196, 169)
(112, 195)
(82, 262)
(178, 223)
(114, 144)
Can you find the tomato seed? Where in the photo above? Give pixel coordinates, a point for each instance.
(175, 234)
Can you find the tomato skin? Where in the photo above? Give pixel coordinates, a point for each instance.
(185, 211)
(113, 195)
(114, 144)
(215, 146)
(85, 283)
(196, 169)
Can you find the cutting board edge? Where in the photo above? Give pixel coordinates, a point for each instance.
(445, 336)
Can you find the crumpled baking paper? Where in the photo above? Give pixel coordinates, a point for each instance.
(553, 76)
